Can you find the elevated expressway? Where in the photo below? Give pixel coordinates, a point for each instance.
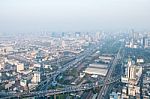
(58, 91)
(44, 84)
(105, 87)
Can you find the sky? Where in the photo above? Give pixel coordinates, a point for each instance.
(73, 15)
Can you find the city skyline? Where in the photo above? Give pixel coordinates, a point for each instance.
(82, 49)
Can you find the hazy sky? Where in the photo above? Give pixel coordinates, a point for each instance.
(73, 15)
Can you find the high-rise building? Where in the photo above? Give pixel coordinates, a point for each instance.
(133, 90)
(20, 67)
(132, 72)
(36, 77)
(129, 65)
(98, 36)
(146, 42)
(135, 35)
(1, 64)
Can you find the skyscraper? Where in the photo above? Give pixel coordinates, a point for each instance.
(36, 77)
(129, 65)
(131, 70)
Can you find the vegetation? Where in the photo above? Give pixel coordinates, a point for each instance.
(138, 53)
(110, 47)
(68, 76)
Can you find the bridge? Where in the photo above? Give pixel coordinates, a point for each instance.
(57, 91)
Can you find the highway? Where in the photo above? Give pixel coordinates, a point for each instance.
(45, 84)
(105, 87)
(67, 89)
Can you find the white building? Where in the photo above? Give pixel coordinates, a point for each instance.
(132, 72)
(1, 65)
(124, 79)
(36, 77)
(133, 90)
(97, 69)
(32, 85)
(102, 66)
(20, 67)
(4, 49)
(7, 86)
(12, 61)
(140, 60)
(23, 83)
(105, 57)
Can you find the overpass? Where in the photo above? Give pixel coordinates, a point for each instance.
(46, 92)
(44, 84)
(105, 87)
(67, 89)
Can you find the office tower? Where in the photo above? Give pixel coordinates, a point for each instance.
(128, 68)
(36, 77)
(132, 71)
(146, 43)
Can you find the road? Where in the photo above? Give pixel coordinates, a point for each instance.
(67, 89)
(45, 84)
(105, 87)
